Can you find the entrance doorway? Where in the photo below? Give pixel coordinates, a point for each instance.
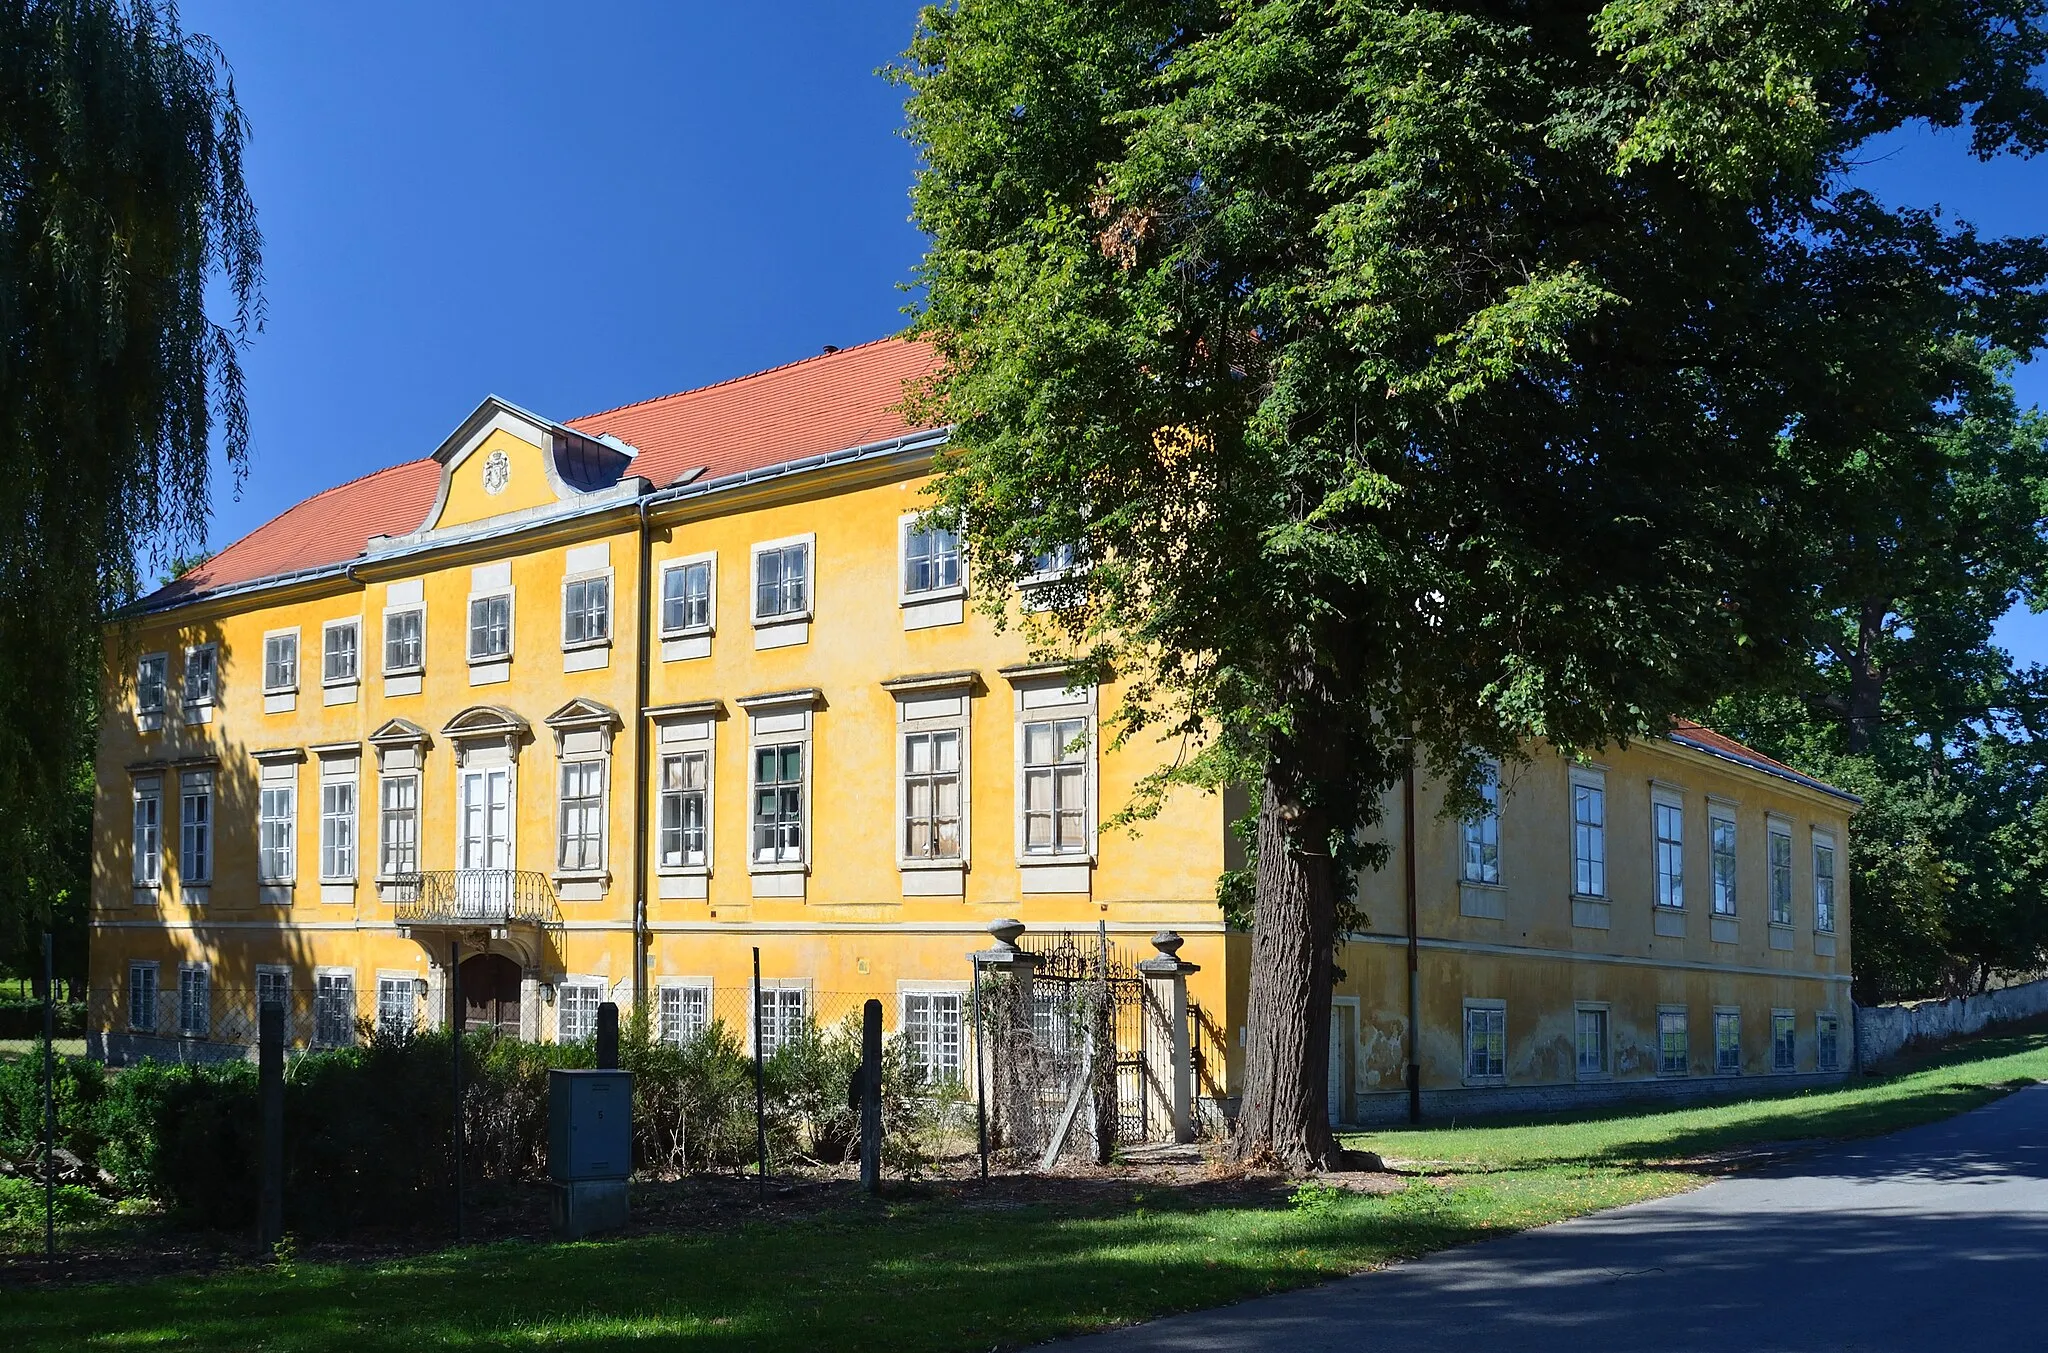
(490, 993)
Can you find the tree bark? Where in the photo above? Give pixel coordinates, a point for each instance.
(1284, 1117)
(1866, 678)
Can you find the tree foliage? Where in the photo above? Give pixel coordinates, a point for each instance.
(1465, 373)
(121, 201)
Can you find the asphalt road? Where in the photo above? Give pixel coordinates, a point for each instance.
(1931, 1239)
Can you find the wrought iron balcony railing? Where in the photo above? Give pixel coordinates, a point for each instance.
(475, 897)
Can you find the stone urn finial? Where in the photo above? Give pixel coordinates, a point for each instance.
(1006, 932)
(1168, 943)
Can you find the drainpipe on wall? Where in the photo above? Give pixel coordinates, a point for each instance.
(640, 945)
(1414, 947)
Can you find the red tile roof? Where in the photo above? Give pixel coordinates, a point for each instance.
(1721, 744)
(827, 403)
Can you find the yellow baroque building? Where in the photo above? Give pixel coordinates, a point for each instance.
(616, 708)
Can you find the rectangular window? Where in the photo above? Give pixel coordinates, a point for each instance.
(275, 984)
(280, 663)
(1050, 563)
(334, 1010)
(398, 815)
(783, 1013)
(490, 627)
(202, 675)
(586, 611)
(1823, 883)
(1784, 1041)
(686, 597)
(782, 582)
(1827, 1046)
(1721, 846)
(1486, 1043)
(338, 830)
(1589, 839)
(1592, 1042)
(195, 830)
(142, 997)
(1055, 786)
(685, 1013)
(1727, 1043)
(277, 827)
(1482, 832)
(931, 559)
(149, 683)
(1669, 822)
(931, 795)
(931, 1033)
(779, 804)
(582, 820)
(195, 1003)
(395, 1004)
(685, 785)
(1674, 1053)
(576, 1011)
(340, 661)
(149, 833)
(1781, 876)
(405, 641)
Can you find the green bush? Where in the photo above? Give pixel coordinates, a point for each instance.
(21, 1206)
(80, 1085)
(24, 1018)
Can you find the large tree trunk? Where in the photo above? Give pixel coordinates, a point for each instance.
(1284, 1117)
(1866, 678)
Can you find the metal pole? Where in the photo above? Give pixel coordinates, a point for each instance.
(457, 1018)
(871, 1097)
(760, 1088)
(1414, 940)
(49, 1100)
(980, 1086)
(270, 1109)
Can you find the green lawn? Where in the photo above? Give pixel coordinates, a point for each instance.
(940, 1272)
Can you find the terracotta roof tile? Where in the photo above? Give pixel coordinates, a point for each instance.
(831, 402)
(1721, 744)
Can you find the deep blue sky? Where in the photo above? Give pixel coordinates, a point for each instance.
(576, 206)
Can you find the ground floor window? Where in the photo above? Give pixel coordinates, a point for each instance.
(1727, 1043)
(576, 1010)
(1828, 1042)
(685, 1013)
(931, 1033)
(782, 1014)
(275, 984)
(334, 1010)
(395, 1004)
(1486, 1042)
(1592, 1041)
(1674, 1054)
(195, 1002)
(1784, 1041)
(142, 997)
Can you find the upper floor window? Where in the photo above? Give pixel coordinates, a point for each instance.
(281, 662)
(1051, 563)
(1823, 882)
(1781, 874)
(1481, 832)
(782, 580)
(1668, 819)
(490, 627)
(149, 829)
(581, 834)
(931, 558)
(405, 641)
(1721, 849)
(195, 829)
(338, 830)
(277, 828)
(398, 815)
(931, 795)
(1056, 763)
(202, 674)
(779, 803)
(684, 812)
(586, 611)
(341, 658)
(686, 596)
(1589, 835)
(149, 685)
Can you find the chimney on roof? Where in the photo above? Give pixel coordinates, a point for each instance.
(831, 348)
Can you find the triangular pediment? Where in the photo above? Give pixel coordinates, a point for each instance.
(400, 733)
(505, 461)
(585, 713)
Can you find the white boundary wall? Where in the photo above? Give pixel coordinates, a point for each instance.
(1882, 1030)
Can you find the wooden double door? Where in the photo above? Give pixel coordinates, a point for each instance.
(490, 993)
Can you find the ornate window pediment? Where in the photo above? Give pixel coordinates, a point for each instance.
(583, 716)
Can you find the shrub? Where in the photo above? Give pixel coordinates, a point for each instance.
(693, 1104)
(21, 1206)
(80, 1084)
(24, 1018)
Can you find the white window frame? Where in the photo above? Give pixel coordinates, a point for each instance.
(782, 722)
(510, 597)
(324, 1012)
(931, 994)
(1731, 1016)
(1058, 572)
(580, 579)
(212, 696)
(332, 776)
(1778, 829)
(353, 624)
(1825, 898)
(392, 613)
(289, 870)
(906, 528)
(147, 858)
(1496, 1012)
(150, 717)
(385, 873)
(1481, 830)
(136, 967)
(1667, 853)
(1827, 1041)
(1723, 901)
(1683, 1015)
(923, 710)
(809, 542)
(595, 988)
(283, 636)
(1606, 1068)
(201, 1028)
(681, 565)
(681, 733)
(399, 987)
(777, 994)
(1051, 701)
(667, 1022)
(197, 838)
(280, 976)
(582, 761)
(1589, 869)
(680, 795)
(1786, 1021)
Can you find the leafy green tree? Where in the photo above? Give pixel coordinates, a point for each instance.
(121, 201)
(1410, 381)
